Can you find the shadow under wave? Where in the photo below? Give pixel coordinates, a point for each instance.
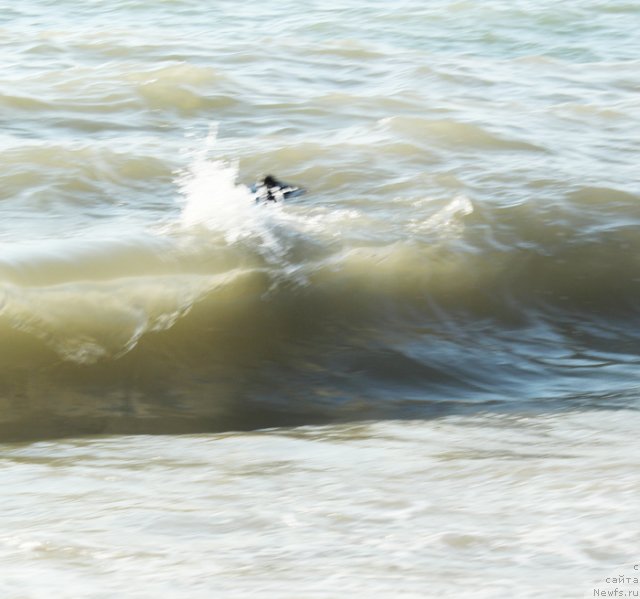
(404, 332)
(241, 316)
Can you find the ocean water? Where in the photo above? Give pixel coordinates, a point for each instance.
(420, 379)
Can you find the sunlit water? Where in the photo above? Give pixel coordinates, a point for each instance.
(470, 507)
(436, 348)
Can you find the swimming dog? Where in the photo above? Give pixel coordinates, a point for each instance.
(269, 189)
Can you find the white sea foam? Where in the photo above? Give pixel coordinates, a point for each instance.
(447, 218)
(214, 199)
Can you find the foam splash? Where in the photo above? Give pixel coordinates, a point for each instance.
(447, 219)
(215, 200)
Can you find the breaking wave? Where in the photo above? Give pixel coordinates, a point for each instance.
(242, 315)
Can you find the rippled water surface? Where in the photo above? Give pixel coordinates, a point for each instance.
(472, 507)
(441, 338)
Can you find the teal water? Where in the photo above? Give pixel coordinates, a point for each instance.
(466, 255)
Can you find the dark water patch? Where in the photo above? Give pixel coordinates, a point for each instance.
(257, 352)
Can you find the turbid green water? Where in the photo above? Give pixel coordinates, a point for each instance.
(450, 313)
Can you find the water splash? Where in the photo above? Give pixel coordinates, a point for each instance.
(214, 200)
(447, 220)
